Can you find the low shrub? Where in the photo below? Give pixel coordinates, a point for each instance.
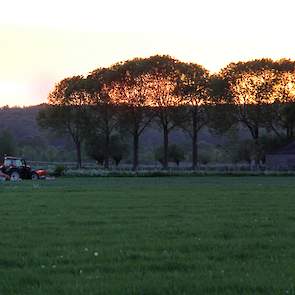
(59, 170)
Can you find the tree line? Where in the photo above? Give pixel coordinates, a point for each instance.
(124, 99)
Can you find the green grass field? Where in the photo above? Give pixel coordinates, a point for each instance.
(167, 235)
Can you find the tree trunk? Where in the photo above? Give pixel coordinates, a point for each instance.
(289, 132)
(107, 151)
(165, 133)
(195, 155)
(106, 131)
(135, 151)
(79, 157)
(256, 147)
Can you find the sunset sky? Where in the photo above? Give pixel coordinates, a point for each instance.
(43, 42)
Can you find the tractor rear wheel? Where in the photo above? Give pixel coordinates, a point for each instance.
(14, 176)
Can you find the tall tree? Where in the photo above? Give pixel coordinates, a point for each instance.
(161, 81)
(66, 113)
(131, 92)
(103, 116)
(148, 82)
(251, 87)
(193, 87)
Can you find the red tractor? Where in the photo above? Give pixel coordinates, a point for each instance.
(17, 168)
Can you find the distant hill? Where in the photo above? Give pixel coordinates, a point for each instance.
(21, 121)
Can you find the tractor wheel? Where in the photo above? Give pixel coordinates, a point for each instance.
(35, 176)
(14, 176)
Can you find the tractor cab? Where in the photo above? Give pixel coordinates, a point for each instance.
(14, 162)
